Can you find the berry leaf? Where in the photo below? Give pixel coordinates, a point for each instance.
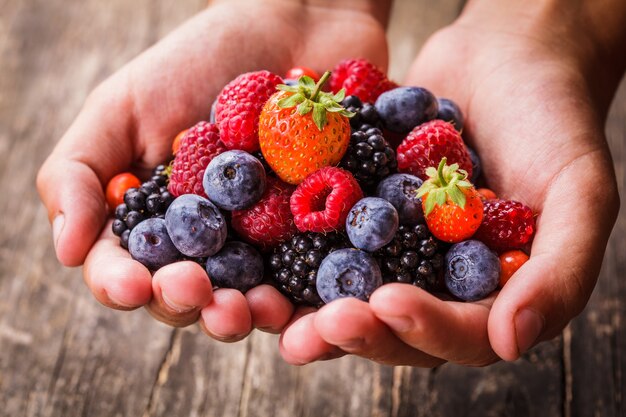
(305, 107)
(290, 101)
(319, 116)
(456, 195)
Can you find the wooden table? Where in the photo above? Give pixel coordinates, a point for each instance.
(63, 354)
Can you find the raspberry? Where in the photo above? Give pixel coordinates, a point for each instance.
(360, 78)
(427, 144)
(268, 222)
(239, 105)
(197, 148)
(506, 225)
(323, 200)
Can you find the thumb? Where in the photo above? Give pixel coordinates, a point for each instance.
(70, 182)
(557, 281)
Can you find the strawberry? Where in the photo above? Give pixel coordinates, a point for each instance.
(427, 144)
(298, 141)
(452, 207)
(360, 78)
(238, 106)
(197, 148)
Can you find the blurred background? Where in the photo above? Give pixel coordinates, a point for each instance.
(63, 354)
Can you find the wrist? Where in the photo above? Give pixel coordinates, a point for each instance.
(586, 36)
(378, 9)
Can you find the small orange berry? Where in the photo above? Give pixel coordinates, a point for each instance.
(117, 187)
(510, 262)
(297, 72)
(487, 194)
(176, 143)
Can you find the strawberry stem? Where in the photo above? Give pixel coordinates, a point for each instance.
(319, 85)
(440, 175)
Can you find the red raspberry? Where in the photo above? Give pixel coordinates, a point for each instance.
(427, 144)
(269, 222)
(360, 78)
(197, 148)
(506, 225)
(239, 105)
(323, 200)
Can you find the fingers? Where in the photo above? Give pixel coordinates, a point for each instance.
(300, 344)
(180, 290)
(227, 318)
(269, 309)
(114, 278)
(453, 331)
(555, 284)
(351, 325)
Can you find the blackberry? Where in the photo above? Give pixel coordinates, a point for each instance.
(293, 265)
(414, 256)
(151, 199)
(369, 157)
(365, 116)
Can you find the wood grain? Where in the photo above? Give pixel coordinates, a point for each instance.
(62, 354)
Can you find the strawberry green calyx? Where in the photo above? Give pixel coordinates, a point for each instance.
(447, 181)
(308, 96)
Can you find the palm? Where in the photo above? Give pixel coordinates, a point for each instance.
(172, 85)
(129, 123)
(531, 120)
(529, 116)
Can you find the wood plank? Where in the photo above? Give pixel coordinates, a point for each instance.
(62, 353)
(598, 336)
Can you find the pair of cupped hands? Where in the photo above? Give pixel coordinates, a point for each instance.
(531, 112)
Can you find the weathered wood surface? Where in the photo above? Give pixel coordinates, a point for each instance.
(62, 354)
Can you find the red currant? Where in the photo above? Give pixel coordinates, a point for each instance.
(117, 187)
(297, 72)
(510, 262)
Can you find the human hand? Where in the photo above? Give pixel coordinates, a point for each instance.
(128, 124)
(535, 97)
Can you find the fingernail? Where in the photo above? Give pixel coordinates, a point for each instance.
(399, 323)
(528, 326)
(57, 228)
(179, 308)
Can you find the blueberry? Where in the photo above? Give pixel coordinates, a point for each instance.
(195, 225)
(234, 180)
(472, 270)
(476, 165)
(371, 223)
(150, 244)
(401, 191)
(450, 112)
(348, 273)
(238, 265)
(403, 108)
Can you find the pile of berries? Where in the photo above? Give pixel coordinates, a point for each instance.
(325, 194)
